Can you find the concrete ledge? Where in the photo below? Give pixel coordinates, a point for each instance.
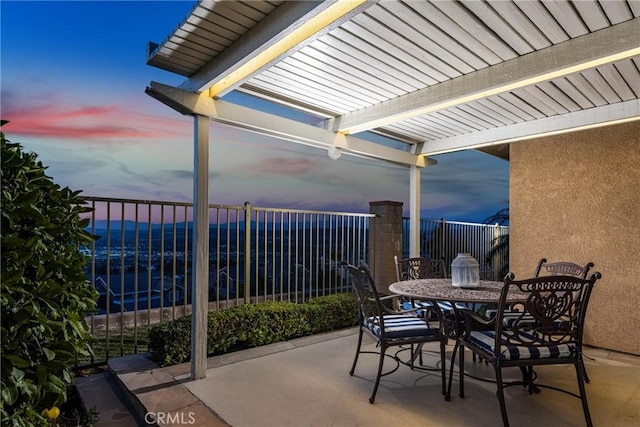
(157, 397)
(102, 392)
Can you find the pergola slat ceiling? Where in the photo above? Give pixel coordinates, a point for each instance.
(367, 72)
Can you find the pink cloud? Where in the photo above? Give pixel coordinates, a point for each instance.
(89, 122)
(282, 166)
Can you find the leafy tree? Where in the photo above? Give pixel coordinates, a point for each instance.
(44, 291)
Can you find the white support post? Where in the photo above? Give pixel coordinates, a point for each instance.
(414, 211)
(200, 252)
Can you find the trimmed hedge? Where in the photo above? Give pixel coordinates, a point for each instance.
(252, 325)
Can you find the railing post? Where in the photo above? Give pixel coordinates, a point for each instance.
(247, 252)
(442, 252)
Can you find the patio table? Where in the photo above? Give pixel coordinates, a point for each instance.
(488, 292)
(441, 290)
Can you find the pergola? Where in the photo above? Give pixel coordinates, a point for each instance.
(433, 76)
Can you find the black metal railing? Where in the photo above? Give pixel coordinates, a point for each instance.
(141, 262)
(440, 239)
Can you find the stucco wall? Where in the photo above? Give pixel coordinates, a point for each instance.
(576, 197)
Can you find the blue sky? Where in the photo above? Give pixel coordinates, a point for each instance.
(73, 76)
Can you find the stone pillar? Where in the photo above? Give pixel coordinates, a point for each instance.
(385, 241)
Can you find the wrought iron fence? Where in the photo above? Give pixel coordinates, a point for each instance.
(440, 239)
(141, 265)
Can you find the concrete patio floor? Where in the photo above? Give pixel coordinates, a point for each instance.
(306, 382)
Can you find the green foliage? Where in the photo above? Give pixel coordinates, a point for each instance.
(331, 312)
(118, 341)
(170, 343)
(44, 292)
(252, 325)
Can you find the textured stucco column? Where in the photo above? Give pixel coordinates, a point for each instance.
(385, 237)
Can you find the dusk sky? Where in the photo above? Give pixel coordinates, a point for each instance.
(73, 76)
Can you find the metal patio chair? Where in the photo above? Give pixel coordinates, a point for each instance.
(564, 268)
(389, 327)
(560, 268)
(558, 305)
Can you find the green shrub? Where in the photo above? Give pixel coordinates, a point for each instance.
(44, 292)
(170, 342)
(252, 325)
(324, 313)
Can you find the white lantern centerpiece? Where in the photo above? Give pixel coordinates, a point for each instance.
(465, 271)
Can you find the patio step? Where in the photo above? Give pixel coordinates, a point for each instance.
(157, 397)
(102, 392)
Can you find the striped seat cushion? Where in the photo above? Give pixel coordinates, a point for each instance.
(486, 340)
(400, 326)
(445, 307)
(510, 318)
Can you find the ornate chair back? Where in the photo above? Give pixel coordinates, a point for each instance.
(557, 304)
(419, 268)
(562, 269)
